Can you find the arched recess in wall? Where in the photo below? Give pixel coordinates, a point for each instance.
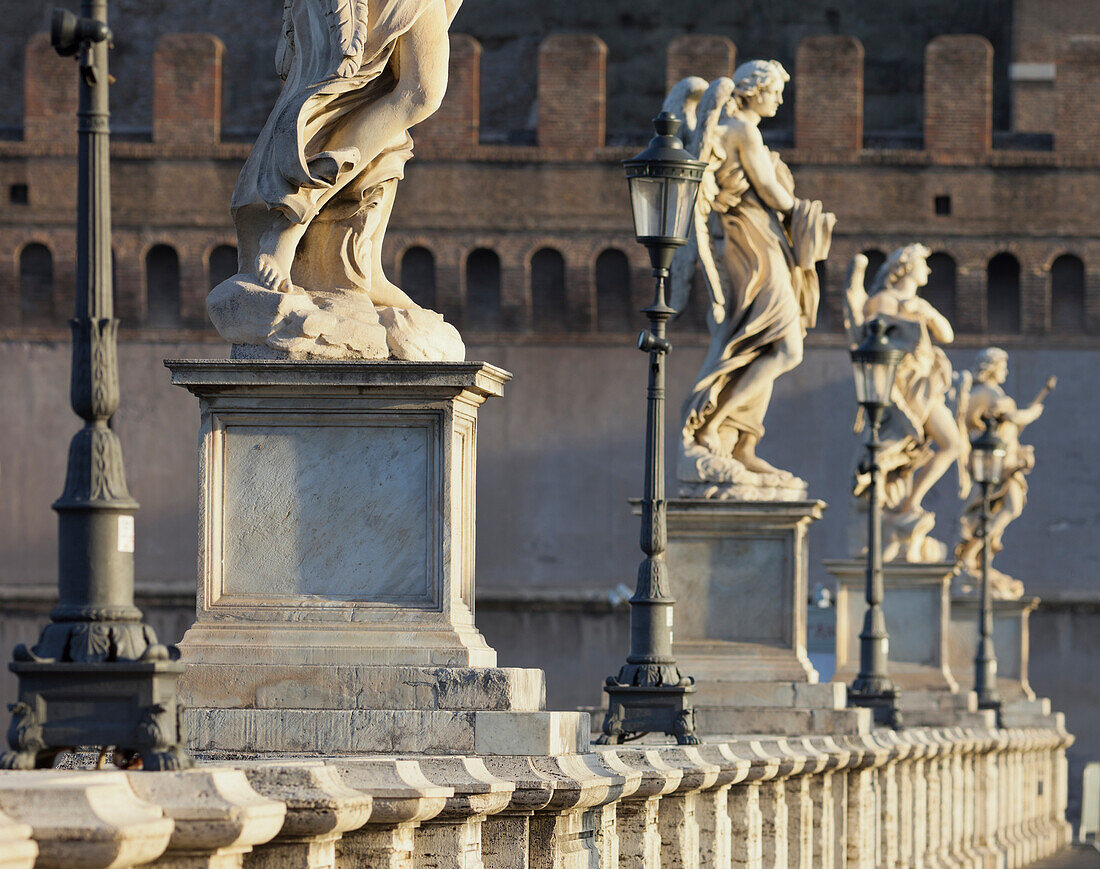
(162, 286)
(614, 306)
(483, 308)
(1067, 294)
(548, 305)
(418, 276)
(223, 263)
(875, 259)
(1002, 294)
(36, 285)
(940, 290)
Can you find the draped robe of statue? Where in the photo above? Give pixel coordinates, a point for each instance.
(772, 289)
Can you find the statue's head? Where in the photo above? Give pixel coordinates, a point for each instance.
(758, 85)
(992, 365)
(909, 261)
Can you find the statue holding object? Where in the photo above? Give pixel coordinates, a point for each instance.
(986, 400)
(757, 246)
(313, 200)
(920, 436)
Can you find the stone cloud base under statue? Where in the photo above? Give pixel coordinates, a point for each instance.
(335, 600)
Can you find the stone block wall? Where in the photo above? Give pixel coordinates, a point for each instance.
(572, 98)
(829, 105)
(187, 89)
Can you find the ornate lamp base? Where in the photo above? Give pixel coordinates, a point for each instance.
(126, 704)
(633, 710)
(882, 701)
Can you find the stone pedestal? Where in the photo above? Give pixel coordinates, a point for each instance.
(336, 566)
(917, 605)
(1010, 640)
(739, 577)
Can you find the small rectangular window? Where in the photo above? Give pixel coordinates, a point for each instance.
(20, 194)
(943, 205)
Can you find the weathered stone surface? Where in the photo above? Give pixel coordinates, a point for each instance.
(420, 335)
(17, 849)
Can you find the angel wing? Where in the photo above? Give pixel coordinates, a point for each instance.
(682, 102)
(855, 299)
(284, 51)
(348, 23)
(962, 411)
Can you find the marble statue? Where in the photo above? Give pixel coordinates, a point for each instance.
(920, 435)
(980, 403)
(756, 245)
(313, 200)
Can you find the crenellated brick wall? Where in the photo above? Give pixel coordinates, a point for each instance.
(958, 194)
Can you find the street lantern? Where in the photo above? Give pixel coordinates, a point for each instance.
(987, 454)
(875, 362)
(664, 182)
(649, 695)
(97, 675)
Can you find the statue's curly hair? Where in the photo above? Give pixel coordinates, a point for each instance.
(752, 77)
(899, 264)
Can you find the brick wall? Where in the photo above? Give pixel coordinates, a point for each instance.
(572, 99)
(1076, 98)
(49, 95)
(958, 98)
(187, 89)
(829, 101)
(455, 126)
(709, 57)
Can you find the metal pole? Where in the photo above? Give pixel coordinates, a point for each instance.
(649, 694)
(985, 661)
(97, 675)
(873, 686)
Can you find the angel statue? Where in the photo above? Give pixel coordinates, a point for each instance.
(756, 245)
(920, 436)
(313, 200)
(979, 405)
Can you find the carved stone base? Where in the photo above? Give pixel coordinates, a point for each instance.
(917, 609)
(128, 705)
(1011, 642)
(633, 710)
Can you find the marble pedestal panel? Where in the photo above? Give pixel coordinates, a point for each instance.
(1010, 641)
(336, 566)
(739, 573)
(917, 606)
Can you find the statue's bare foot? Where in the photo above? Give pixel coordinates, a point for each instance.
(272, 275)
(710, 441)
(386, 294)
(757, 465)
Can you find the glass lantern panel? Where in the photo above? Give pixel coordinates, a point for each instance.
(874, 381)
(987, 465)
(681, 202)
(979, 470)
(647, 203)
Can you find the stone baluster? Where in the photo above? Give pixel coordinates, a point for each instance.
(774, 806)
(888, 791)
(745, 806)
(1034, 827)
(986, 805)
(828, 804)
(17, 849)
(862, 818)
(977, 746)
(452, 839)
(506, 836)
(956, 794)
(1013, 800)
(715, 828)
(403, 798)
(607, 834)
(320, 808)
(637, 818)
(564, 833)
(218, 816)
(802, 852)
(1060, 784)
(82, 820)
(678, 814)
(907, 805)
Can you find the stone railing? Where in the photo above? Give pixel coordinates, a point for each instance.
(918, 797)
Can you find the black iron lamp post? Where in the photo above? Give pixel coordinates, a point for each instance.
(987, 454)
(650, 694)
(97, 676)
(876, 363)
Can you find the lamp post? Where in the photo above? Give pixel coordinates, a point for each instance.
(97, 675)
(987, 453)
(650, 694)
(876, 363)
